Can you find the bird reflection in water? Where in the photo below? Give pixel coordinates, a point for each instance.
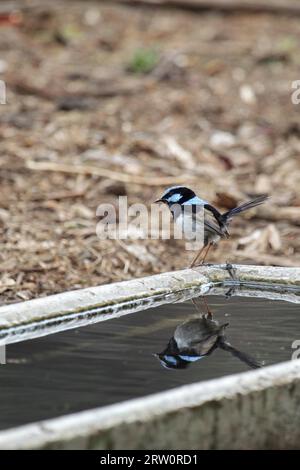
(198, 337)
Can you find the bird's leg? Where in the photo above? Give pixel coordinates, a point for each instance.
(195, 304)
(230, 292)
(232, 273)
(198, 308)
(231, 270)
(196, 257)
(209, 312)
(206, 253)
(199, 254)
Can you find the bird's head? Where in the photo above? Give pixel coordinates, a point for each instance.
(178, 195)
(177, 361)
(173, 358)
(172, 361)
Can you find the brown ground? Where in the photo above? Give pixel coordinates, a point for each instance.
(75, 97)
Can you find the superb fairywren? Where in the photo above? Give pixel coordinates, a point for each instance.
(197, 338)
(202, 216)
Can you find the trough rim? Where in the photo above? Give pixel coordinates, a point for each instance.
(110, 296)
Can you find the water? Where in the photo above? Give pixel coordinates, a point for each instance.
(114, 360)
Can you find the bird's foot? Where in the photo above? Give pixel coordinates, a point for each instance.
(230, 293)
(209, 314)
(202, 263)
(231, 270)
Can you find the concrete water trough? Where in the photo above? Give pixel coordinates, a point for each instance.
(256, 409)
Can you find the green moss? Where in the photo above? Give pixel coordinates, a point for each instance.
(143, 61)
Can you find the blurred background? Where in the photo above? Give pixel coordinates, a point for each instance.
(108, 98)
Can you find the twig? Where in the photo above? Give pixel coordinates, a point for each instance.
(105, 173)
(288, 7)
(47, 197)
(114, 88)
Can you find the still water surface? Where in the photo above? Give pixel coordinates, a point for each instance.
(112, 361)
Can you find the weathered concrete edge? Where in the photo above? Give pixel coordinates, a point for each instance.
(44, 327)
(112, 294)
(124, 425)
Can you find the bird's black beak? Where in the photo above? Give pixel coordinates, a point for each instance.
(158, 201)
(158, 355)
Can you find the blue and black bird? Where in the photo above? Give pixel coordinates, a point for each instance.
(194, 214)
(197, 338)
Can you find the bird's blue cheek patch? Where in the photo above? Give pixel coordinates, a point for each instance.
(174, 198)
(171, 359)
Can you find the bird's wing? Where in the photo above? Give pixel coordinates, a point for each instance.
(206, 345)
(197, 217)
(212, 221)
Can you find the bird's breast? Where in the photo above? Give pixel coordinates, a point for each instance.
(189, 226)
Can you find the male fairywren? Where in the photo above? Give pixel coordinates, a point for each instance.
(197, 338)
(194, 214)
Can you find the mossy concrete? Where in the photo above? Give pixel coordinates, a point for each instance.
(123, 297)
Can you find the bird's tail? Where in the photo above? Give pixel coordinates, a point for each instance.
(242, 356)
(244, 207)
